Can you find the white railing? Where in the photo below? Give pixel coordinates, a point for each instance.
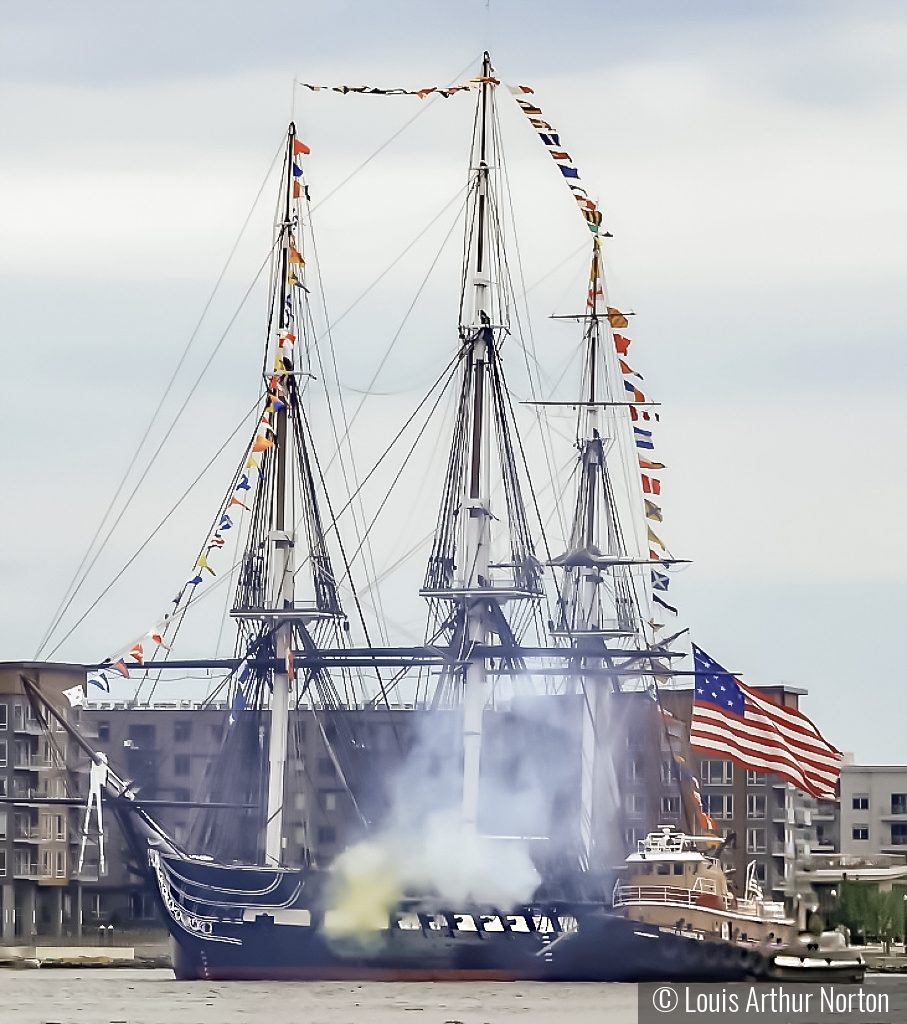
(670, 895)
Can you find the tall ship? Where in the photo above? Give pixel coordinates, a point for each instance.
(485, 846)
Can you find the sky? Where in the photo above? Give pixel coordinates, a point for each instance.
(749, 159)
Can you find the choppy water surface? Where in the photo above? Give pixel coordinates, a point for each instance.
(49, 996)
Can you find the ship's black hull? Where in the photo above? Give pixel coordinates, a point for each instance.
(604, 948)
(245, 922)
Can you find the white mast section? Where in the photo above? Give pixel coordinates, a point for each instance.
(280, 593)
(476, 511)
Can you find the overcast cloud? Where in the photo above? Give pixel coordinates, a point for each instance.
(750, 159)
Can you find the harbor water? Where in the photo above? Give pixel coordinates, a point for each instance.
(133, 996)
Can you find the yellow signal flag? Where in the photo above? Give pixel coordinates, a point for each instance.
(654, 538)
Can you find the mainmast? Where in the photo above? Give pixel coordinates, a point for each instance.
(465, 585)
(476, 507)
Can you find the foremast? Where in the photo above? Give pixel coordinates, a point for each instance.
(275, 616)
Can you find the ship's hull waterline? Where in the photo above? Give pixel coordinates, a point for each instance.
(250, 923)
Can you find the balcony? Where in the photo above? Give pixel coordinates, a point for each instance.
(29, 871)
(782, 849)
(29, 727)
(27, 834)
(34, 762)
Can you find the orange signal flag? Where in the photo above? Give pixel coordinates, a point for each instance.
(621, 343)
(236, 501)
(290, 667)
(138, 653)
(300, 147)
(616, 318)
(159, 640)
(624, 367)
(296, 257)
(646, 464)
(297, 190)
(260, 444)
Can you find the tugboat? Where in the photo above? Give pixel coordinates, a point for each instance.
(676, 882)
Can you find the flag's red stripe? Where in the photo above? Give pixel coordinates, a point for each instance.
(765, 748)
(707, 721)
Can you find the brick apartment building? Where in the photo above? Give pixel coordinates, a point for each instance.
(169, 751)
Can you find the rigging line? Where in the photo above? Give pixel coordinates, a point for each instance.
(159, 448)
(391, 489)
(544, 434)
(431, 412)
(449, 370)
(154, 532)
(423, 107)
(347, 471)
(190, 599)
(386, 270)
(61, 611)
(408, 313)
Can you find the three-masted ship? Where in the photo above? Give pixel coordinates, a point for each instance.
(518, 637)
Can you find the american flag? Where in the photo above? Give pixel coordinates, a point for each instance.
(736, 723)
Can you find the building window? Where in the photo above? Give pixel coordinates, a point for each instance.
(3, 863)
(3, 753)
(670, 807)
(59, 827)
(103, 732)
(860, 832)
(755, 840)
(95, 909)
(899, 834)
(327, 834)
(636, 805)
(182, 732)
(899, 803)
(716, 773)
(669, 772)
(326, 767)
(3, 785)
(181, 764)
(60, 866)
(718, 805)
(141, 906)
(755, 778)
(327, 800)
(755, 805)
(3, 824)
(636, 769)
(861, 802)
(636, 737)
(4, 713)
(633, 837)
